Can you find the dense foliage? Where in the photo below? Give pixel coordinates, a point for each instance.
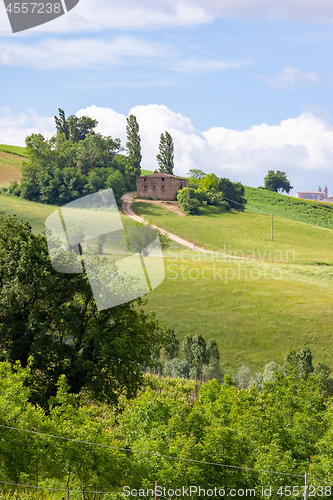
(208, 189)
(277, 181)
(74, 163)
(286, 427)
(49, 321)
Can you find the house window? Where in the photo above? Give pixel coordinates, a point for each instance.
(145, 179)
(162, 187)
(162, 179)
(145, 187)
(154, 187)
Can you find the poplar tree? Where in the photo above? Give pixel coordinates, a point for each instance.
(165, 158)
(133, 147)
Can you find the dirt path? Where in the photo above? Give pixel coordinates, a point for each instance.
(127, 199)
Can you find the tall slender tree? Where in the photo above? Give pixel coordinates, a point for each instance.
(165, 158)
(133, 147)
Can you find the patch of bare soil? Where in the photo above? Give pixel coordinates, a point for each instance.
(170, 205)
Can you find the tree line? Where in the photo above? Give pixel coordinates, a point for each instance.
(78, 161)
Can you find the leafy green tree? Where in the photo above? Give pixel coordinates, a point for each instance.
(233, 193)
(165, 158)
(210, 182)
(74, 128)
(172, 349)
(243, 377)
(196, 173)
(60, 172)
(187, 201)
(133, 147)
(277, 181)
(53, 318)
(299, 362)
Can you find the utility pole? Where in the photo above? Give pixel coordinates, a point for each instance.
(272, 229)
(306, 486)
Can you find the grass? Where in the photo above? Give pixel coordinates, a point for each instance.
(255, 311)
(246, 234)
(267, 202)
(16, 150)
(35, 213)
(146, 172)
(258, 308)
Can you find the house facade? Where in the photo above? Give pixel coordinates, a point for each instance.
(319, 195)
(160, 186)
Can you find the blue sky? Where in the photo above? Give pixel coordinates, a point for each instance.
(242, 87)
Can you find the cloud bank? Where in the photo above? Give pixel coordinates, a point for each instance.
(301, 146)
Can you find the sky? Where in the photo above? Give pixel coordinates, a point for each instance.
(243, 86)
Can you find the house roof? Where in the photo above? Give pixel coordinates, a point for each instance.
(157, 174)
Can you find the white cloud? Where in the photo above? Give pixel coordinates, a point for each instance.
(197, 65)
(51, 53)
(90, 15)
(79, 53)
(14, 128)
(289, 77)
(301, 146)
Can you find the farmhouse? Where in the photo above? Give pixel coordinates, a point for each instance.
(160, 186)
(319, 195)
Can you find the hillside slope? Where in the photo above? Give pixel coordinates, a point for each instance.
(267, 202)
(11, 158)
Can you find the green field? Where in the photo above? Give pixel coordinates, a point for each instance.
(246, 234)
(146, 172)
(278, 297)
(35, 213)
(16, 150)
(268, 202)
(255, 311)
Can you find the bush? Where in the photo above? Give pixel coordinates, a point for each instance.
(14, 188)
(188, 202)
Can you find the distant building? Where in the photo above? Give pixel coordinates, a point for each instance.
(160, 186)
(319, 195)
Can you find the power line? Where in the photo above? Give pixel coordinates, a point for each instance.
(150, 453)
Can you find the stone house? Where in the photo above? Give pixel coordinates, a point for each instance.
(160, 186)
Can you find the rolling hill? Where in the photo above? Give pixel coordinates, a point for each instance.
(11, 158)
(278, 296)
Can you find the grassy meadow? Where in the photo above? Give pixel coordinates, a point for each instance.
(278, 297)
(268, 202)
(256, 311)
(246, 234)
(15, 150)
(35, 213)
